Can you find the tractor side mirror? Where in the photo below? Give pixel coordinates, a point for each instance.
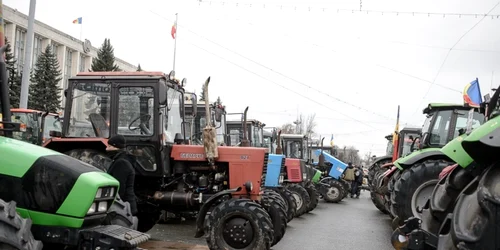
(461, 131)
(218, 113)
(181, 106)
(54, 133)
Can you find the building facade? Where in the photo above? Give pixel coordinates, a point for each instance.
(73, 54)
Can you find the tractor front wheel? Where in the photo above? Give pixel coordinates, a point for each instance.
(301, 197)
(290, 201)
(273, 204)
(120, 214)
(334, 192)
(239, 224)
(313, 193)
(15, 232)
(414, 188)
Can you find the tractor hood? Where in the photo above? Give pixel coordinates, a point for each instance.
(414, 157)
(47, 184)
(483, 143)
(338, 166)
(456, 152)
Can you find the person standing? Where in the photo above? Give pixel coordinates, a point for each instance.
(349, 175)
(122, 169)
(358, 181)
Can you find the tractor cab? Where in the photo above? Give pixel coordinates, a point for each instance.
(254, 130)
(196, 119)
(407, 142)
(35, 125)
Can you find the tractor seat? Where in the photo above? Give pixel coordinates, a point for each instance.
(99, 125)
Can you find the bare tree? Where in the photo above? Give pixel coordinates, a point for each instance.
(287, 128)
(310, 125)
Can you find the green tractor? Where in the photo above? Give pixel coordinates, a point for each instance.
(462, 212)
(411, 184)
(54, 198)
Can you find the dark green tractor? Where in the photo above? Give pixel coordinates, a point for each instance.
(417, 173)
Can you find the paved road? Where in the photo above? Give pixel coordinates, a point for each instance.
(351, 224)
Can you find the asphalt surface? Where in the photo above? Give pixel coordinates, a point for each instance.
(351, 224)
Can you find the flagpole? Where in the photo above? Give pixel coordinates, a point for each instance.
(81, 30)
(175, 39)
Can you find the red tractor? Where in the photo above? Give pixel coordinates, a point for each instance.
(221, 184)
(34, 125)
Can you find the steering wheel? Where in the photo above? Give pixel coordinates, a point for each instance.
(147, 117)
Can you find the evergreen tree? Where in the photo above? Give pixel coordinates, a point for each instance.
(202, 94)
(14, 79)
(105, 60)
(44, 91)
(139, 67)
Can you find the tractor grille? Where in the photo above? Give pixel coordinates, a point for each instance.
(282, 165)
(295, 173)
(266, 159)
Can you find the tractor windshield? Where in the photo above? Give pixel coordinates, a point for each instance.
(135, 111)
(268, 143)
(29, 127)
(90, 110)
(293, 149)
(390, 148)
(52, 123)
(405, 146)
(258, 138)
(477, 120)
(440, 128)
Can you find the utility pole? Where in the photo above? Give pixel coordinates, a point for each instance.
(25, 84)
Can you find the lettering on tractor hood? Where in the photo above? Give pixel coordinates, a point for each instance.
(192, 155)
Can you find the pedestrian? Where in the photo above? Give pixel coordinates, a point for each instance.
(349, 175)
(358, 182)
(122, 169)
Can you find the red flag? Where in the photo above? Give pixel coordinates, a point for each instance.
(173, 32)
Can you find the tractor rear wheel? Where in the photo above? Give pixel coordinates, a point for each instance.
(375, 170)
(93, 157)
(272, 203)
(334, 192)
(313, 194)
(415, 187)
(301, 197)
(290, 201)
(120, 214)
(239, 224)
(278, 198)
(378, 201)
(346, 188)
(15, 232)
(390, 188)
(474, 222)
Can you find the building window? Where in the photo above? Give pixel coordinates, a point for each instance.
(37, 49)
(68, 64)
(19, 49)
(53, 47)
(82, 63)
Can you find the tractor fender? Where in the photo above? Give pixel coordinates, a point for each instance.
(418, 156)
(482, 144)
(326, 180)
(379, 159)
(200, 220)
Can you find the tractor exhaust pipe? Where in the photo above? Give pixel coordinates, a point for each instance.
(245, 142)
(209, 134)
(279, 149)
(177, 199)
(321, 159)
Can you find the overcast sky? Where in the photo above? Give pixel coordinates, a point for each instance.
(282, 58)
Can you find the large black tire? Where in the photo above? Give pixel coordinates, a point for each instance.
(346, 188)
(302, 198)
(376, 169)
(313, 194)
(273, 194)
(240, 216)
(474, 222)
(93, 157)
(334, 192)
(390, 188)
(120, 214)
(408, 186)
(292, 204)
(272, 203)
(148, 216)
(378, 201)
(15, 232)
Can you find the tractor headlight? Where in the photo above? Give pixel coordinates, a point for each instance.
(92, 209)
(106, 192)
(102, 207)
(249, 186)
(281, 179)
(304, 176)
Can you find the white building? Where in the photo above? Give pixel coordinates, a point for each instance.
(74, 55)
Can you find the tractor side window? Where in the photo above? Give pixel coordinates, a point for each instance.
(144, 157)
(293, 149)
(51, 124)
(234, 135)
(135, 111)
(439, 133)
(256, 142)
(477, 120)
(174, 115)
(29, 127)
(90, 110)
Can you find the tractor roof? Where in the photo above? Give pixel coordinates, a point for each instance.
(20, 110)
(249, 121)
(445, 106)
(120, 74)
(268, 134)
(389, 137)
(412, 129)
(293, 136)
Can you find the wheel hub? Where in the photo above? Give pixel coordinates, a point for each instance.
(333, 193)
(298, 200)
(421, 195)
(238, 233)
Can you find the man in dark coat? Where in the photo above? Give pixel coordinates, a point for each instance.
(122, 169)
(358, 182)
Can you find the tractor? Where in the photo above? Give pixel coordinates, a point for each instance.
(51, 200)
(272, 199)
(382, 173)
(415, 175)
(35, 125)
(221, 184)
(459, 214)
